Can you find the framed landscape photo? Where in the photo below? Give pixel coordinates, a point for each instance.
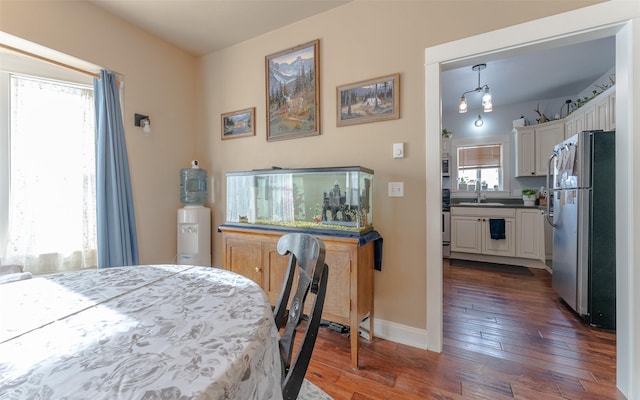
(293, 94)
(239, 123)
(373, 100)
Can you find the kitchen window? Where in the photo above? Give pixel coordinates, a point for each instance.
(47, 174)
(480, 165)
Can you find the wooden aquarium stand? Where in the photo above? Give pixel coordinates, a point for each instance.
(252, 252)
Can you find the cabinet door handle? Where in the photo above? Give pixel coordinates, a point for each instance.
(258, 269)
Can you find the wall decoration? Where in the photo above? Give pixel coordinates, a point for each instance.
(373, 100)
(293, 92)
(239, 123)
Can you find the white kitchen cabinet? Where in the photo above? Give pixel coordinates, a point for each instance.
(574, 123)
(590, 116)
(534, 145)
(569, 126)
(530, 234)
(547, 136)
(525, 153)
(470, 231)
(501, 247)
(445, 147)
(466, 234)
(602, 114)
(598, 113)
(605, 107)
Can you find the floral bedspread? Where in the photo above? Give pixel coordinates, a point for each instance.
(143, 332)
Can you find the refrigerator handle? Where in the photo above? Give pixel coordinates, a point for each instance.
(549, 166)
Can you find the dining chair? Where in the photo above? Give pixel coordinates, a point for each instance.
(306, 256)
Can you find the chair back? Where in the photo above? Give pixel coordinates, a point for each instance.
(306, 256)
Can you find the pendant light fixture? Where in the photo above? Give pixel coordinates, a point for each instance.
(479, 122)
(487, 102)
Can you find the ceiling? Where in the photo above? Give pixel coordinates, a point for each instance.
(535, 75)
(204, 26)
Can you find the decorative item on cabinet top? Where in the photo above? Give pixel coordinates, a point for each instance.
(336, 199)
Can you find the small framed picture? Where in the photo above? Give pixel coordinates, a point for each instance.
(293, 93)
(373, 100)
(239, 123)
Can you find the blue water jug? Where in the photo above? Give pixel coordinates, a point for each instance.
(193, 185)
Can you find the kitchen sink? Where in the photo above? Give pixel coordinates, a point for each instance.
(481, 204)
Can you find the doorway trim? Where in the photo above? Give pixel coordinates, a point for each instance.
(619, 18)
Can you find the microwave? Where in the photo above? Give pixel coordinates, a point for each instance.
(445, 166)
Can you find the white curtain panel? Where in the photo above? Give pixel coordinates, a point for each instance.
(52, 215)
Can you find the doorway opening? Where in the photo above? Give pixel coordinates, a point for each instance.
(604, 20)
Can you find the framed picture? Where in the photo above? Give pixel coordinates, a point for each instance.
(293, 94)
(373, 100)
(239, 123)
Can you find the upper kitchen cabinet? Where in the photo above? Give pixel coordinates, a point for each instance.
(525, 154)
(534, 145)
(445, 147)
(599, 113)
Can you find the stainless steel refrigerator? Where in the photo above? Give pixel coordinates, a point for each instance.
(584, 259)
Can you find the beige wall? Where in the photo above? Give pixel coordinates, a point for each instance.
(159, 82)
(184, 99)
(358, 41)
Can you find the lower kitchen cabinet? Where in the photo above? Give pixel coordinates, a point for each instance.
(524, 232)
(349, 299)
(530, 234)
(470, 231)
(466, 234)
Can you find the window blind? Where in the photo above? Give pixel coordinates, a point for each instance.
(480, 157)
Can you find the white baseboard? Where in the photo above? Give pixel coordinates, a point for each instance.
(399, 333)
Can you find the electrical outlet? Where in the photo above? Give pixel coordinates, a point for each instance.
(396, 189)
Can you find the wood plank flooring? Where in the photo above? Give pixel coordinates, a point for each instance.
(506, 336)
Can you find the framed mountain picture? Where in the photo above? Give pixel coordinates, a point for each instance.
(373, 100)
(293, 94)
(238, 124)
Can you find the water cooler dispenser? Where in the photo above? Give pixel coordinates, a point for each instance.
(194, 220)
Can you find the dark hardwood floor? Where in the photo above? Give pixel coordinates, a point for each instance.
(506, 336)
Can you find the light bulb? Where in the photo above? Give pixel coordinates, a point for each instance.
(146, 126)
(479, 122)
(462, 108)
(488, 106)
(486, 97)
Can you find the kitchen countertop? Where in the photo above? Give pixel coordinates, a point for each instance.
(491, 204)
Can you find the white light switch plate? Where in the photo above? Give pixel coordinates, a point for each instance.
(396, 189)
(398, 150)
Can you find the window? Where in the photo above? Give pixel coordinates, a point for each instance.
(480, 165)
(47, 206)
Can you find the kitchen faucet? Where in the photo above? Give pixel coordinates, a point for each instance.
(478, 192)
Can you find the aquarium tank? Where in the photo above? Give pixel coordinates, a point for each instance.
(336, 199)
